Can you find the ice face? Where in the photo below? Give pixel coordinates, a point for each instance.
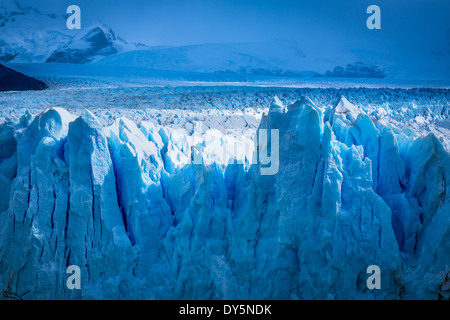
(124, 203)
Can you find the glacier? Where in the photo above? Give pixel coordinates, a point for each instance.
(118, 201)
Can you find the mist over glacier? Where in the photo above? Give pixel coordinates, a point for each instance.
(350, 192)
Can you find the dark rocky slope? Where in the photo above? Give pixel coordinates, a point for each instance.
(12, 80)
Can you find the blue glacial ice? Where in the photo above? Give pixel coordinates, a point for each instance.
(125, 204)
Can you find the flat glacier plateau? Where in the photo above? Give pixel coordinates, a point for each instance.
(103, 178)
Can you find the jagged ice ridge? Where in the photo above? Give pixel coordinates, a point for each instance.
(115, 200)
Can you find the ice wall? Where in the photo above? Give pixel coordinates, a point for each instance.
(141, 223)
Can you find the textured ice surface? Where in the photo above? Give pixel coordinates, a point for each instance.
(116, 200)
(236, 106)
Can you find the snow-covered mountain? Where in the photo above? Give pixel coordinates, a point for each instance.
(26, 35)
(29, 36)
(91, 44)
(270, 57)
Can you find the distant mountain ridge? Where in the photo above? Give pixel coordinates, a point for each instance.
(356, 70)
(29, 36)
(276, 57)
(92, 44)
(26, 35)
